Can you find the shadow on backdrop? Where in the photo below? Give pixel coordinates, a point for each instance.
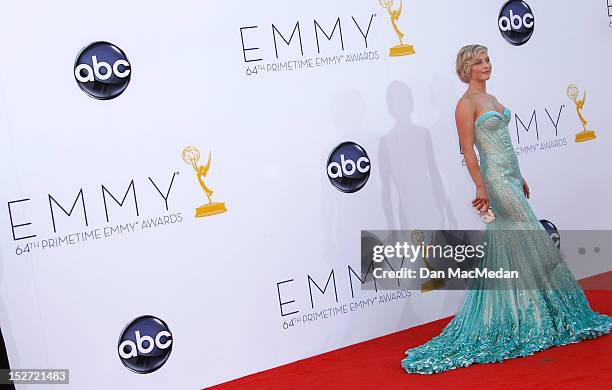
(413, 193)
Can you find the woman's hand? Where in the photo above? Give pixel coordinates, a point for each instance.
(481, 202)
(525, 189)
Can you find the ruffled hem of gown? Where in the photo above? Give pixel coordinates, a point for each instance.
(497, 342)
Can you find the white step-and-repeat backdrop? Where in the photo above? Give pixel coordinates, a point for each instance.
(184, 185)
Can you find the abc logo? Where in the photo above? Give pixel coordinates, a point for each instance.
(102, 70)
(552, 231)
(348, 167)
(145, 344)
(516, 22)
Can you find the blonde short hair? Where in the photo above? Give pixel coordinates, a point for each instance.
(465, 60)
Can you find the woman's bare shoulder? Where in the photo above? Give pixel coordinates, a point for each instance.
(465, 105)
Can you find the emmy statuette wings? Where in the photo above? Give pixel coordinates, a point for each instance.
(417, 238)
(402, 49)
(191, 156)
(572, 93)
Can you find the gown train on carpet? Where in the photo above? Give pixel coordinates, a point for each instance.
(507, 318)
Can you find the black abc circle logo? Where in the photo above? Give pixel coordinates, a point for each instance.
(552, 231)
(102, 70)
(348, 167)
(145, 344)
(516, 22)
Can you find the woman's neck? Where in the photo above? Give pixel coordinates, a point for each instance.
(477, 87)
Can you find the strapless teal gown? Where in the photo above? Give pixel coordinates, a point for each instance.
(542, 309)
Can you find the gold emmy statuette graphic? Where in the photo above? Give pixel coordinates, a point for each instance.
(572, 93)
(433, 284)
(402, 49)
(191, 155)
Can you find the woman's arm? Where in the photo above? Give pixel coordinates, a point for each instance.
(464, 118)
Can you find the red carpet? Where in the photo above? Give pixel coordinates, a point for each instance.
(375, 364)
(598, 282)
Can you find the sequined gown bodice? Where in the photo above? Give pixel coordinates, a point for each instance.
(506, 318)
(500, 170)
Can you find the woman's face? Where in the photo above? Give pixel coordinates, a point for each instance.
(481, 68)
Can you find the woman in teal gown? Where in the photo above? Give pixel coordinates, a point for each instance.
(505, 318)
